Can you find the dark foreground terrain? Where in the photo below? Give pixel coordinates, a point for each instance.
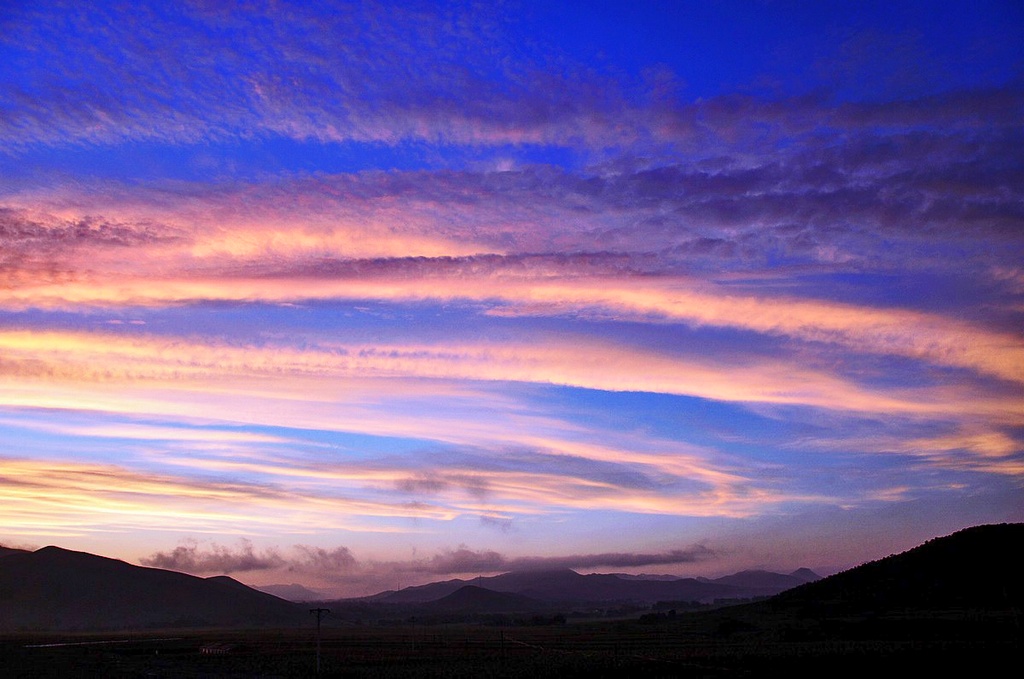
(723, 643)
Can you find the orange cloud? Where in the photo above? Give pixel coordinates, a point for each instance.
(108, 358)
(889, 332)
(75, 498)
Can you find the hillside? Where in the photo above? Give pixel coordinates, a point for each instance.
(58, 589)
(5, 551)
(473, 599)
(975, 568)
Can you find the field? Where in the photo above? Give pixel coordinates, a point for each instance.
(719, 644)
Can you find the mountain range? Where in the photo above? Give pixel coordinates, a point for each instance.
(58, 589)
(568, 586)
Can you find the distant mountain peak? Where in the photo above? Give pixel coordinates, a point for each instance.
(54, 549)
(293, 592)
(806, 574)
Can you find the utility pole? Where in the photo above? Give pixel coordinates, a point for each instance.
(320, 613)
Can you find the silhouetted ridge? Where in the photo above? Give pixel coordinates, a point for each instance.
(4, 551)
(60, 589)
(976, 567)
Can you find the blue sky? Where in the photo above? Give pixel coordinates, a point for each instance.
(371, 294)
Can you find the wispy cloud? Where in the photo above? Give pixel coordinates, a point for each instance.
(636, 252)
(325, 88)
(75, 498)
(147, 359)
(124, 78)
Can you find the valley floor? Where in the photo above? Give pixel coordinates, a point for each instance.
(681, 647)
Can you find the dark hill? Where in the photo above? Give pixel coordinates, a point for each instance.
(58, 589)
(975, 568)
(4, 551)
(805, 575)
(420, 593)
(473, 599)
(764, 582)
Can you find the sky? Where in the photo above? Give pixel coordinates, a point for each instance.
(364, 295)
